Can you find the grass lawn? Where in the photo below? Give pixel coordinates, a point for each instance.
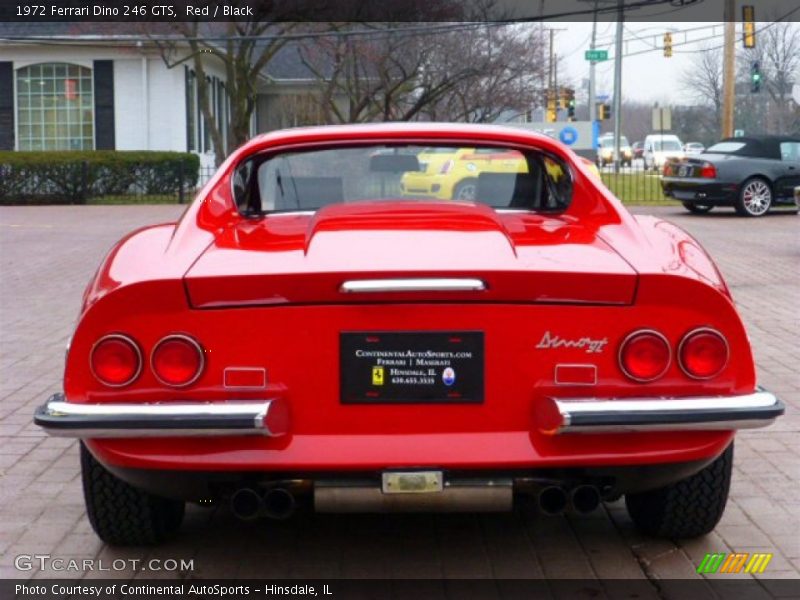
(636, 188)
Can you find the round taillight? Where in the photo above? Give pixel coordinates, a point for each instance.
(703, 353)
(177, 360)
(115, 360)
(644, 355)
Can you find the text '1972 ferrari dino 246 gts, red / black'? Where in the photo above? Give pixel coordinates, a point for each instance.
(309, 331)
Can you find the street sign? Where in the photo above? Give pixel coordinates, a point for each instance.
(596, 55)
(662, 119)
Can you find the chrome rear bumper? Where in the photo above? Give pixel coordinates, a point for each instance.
(747, 411)
(251, 417)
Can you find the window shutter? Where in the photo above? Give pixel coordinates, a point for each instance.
(6, 105)
(104, 105)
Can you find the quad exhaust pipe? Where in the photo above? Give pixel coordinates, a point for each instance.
(582, 499)
(248, 504)
(552, 500)
(278, 503)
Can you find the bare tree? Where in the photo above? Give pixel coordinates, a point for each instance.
(243, 48)
(510, 75)
(777, 53)
(780, 60)
(703, 79)
(473, 73)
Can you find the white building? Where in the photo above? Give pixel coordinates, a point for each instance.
(86, 91)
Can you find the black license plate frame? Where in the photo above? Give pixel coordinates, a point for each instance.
(411, 367)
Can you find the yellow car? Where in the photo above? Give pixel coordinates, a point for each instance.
(452, 173)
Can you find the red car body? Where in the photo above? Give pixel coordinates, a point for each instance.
(265, 299)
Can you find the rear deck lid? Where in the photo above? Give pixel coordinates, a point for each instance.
(309, 258)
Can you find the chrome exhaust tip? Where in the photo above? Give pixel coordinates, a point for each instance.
(246, 504)
(584, 499)
(552, 500)
(279, 503)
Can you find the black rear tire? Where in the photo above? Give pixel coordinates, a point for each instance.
(687, 508)
(697, 209)
(121, 514)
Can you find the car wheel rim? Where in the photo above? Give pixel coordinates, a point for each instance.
(756, 197)
(466, 192)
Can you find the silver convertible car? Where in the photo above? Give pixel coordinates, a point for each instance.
(752, 174)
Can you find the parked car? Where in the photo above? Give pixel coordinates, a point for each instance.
(752, 174)
(638, 149)
(303, 334)
(605, 151)
(693, 148)
(797, 196)
(659, 148)
(448, 173)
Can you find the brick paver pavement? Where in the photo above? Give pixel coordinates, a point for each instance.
(48, 255)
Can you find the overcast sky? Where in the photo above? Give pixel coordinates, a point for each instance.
(649, 76)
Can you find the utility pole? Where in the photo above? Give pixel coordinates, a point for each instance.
(728, 68)
(592, 91)
(552, 77)
(555, 79)
(618, 84)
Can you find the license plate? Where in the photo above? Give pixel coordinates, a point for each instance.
(684, 171)
(414, 482)
(411, 367)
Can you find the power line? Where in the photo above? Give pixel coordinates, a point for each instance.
(712, 37)
(423, 29)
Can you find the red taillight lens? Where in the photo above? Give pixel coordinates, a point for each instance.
(446, 167)
(116, 360)
(644, 355)
(667, 170)
(708, 171)
(177, 360)
(703, 353)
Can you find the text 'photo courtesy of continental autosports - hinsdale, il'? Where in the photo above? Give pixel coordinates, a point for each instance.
(416, 317)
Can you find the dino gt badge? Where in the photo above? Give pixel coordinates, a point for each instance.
(591, 346)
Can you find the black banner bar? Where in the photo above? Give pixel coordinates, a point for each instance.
(364, 11)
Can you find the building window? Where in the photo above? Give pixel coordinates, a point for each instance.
(191, 111)
(55, 107)
(198, 132)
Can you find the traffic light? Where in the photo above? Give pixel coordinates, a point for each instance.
(570, 96)
(755, 77)
(603, 111)
(668, 44)
(749, 26)
(550, 105)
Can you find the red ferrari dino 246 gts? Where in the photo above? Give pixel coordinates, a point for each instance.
(310, 331)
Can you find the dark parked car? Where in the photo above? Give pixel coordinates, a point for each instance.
(638, 149)
(752, 174)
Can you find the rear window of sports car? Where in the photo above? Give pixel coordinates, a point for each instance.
(307, 180)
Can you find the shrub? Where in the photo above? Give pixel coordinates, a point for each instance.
(72, 177)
